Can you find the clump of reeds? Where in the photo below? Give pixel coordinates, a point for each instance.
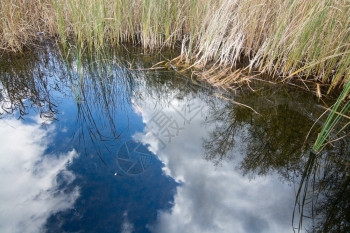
(23, 22)
(307, 40)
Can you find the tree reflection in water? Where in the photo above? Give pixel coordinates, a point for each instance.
(324, 190)
(274, 142)
(28, 80)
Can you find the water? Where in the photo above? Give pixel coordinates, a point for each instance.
(90, 145)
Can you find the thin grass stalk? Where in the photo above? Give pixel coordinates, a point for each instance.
(333, 118)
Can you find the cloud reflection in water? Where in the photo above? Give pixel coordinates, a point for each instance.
(31, 180)
(214, 198)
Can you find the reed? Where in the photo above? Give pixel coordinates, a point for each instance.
(304, 39)
(340, 108)
(294, 39)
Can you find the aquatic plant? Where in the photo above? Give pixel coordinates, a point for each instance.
(340, 108)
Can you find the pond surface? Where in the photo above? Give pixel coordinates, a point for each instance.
(96, 143)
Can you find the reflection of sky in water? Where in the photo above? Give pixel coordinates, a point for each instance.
(212, 199)
(95, 193)
(50, 187)
(76, 175)
(33, 182)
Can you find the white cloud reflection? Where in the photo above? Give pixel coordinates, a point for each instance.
(127, 226)
(214, 199)
(29, 180)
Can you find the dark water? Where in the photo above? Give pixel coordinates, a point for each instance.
(89, 145)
